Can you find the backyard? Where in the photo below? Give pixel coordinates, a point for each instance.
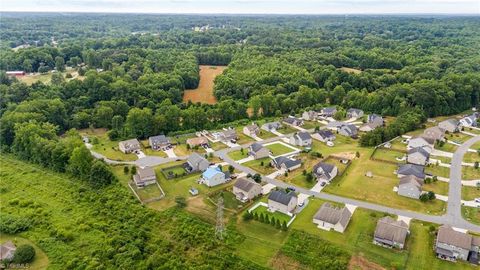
(296, 177)
(261, 166)
(278, 149)
(276, 215)
(447, 147)
(390, 155)
(104, 146)
(229, 200)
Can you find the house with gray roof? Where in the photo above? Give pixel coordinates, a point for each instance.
(354, 113)
(411, 169)
(144, 177)
(283, 202)
(348, 130)
(328, 111)
(310, 115)
(251, 130)
(469, 121)
(257, 151)
(434, 133)
(375, 118)
(325, 171)
(285, 163)
(324, 135)
(7, 250)
(246, 189)
(129, 146)
(425, 143)
(330, 217)
(335, 125)
(410, 186)
(454, 245)
(228, 135)
(418, 156)
(160, 142)
(196, 163)
(293, 121)
(450, 125)
(301, 138)
(271, 126)
(391, 233)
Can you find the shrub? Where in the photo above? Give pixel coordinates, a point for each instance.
(181, 202)
(24, 254)
(12, 225)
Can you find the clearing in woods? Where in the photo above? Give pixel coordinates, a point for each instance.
(204, 92)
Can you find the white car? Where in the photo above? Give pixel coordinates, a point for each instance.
(477, 200)
(331, 144)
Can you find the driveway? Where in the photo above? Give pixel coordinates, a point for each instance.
(440, 153)
(170, 153)
(140, 154)
(247, 159)
(276, 174)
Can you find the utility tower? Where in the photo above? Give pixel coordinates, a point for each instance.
(220, 227)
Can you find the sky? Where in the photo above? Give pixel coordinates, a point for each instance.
(249, 6)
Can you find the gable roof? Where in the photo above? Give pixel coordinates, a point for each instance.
(411, 180)
(291, 120)
(325, 133)
(281, 196)
(451, 121)
(391, 230)
(271, 125)
(350, 129)
(354, 110)
(255, 147)
(211, 172)
(422, 139)
(7, 250)
(333, 215)
(252, 127)
(195, 158)
(303, 135)
(132, 143)
(159, 139)
(449, 236)
(289, 163)
(335, 124)
(412, 169)
(146, 173)
(419, 150)
(329, 110)
(245, 184)
(197, 140)
(374, 117)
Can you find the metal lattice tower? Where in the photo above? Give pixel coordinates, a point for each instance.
(220, 227)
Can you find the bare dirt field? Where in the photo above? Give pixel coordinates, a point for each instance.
(360, 263)
(204, 92)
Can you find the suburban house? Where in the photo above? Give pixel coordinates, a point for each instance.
(354, 113)
(390, 233)
(310, 115)
(325, 171)
(469, 121)
(7, 250)
(410, 186)
(281, 201)
(302, 138)
(197, 141)
(246, 189)
(286, 163)
(251, 130)
(129, 146)
(335, 125)
(159, 142)
(418, 156)
(271, 126)
(375, 119)
(144, 177)
(324, 135)
(348, 130)
(196, 162)
(213, 176)
(450, 125)
(329, 217)
(228, 135)
(434, 133)
(258, 151)
(328, 111)
(293, 121)
(453, 245)
(425, 143)
(411, 169)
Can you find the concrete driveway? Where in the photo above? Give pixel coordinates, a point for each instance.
(140, 154)
(170, 153)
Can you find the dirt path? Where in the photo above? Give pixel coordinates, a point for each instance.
(204, 92)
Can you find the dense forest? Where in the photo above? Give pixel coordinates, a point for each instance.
(135, 69)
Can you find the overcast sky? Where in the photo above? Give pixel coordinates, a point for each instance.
(248, 6)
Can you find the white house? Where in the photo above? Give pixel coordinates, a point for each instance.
(129, 146)
(251, 130)
(329, 217)
(423, 142)
(324, 135)
(283, 202)
(302, 138)
(310, 115)
(354, 113)
(325, 171)
(450, 125)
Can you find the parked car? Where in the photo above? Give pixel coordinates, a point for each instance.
(331, 144)
(477, 200)
(323, 184)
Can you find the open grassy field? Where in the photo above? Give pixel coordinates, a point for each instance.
(47, 77)
(311, 124)
(204, 92)
(350, 70)
(398, 144)
(39, 262)
(343, 145)
(286, 129)
(279, 149)
(388, 155)
(265, 134)
(470, 173)
(229, 200)
(104, 146)
(256, 165)
(242, 138)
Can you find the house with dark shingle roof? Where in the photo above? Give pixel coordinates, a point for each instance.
(286, 163)
(271, 126)
(159, 142)
(418, 156)
(453, 245)
(425, 143)
(302, 138)
(391, 233)
(411, 169)
(310, 115)
(325, 171)
(129, 146)
(293, 121)
(450, 125)
(328, 111)
(354, 113)
(196, 163)
(410, 186)
(324, 135)
(257, 151)
(283, 202)
(144, 177)
(469, 121)
(330, 217)
(375, 118)
(348, 130)
(246, 189)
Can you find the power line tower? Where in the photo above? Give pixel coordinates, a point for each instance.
(220, 227)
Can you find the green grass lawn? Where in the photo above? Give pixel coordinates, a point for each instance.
(148, 192)
(471, 157)
(470, 173)
(342, 145)
(278, 149)
(471, 130)
(277, 215)
(237, 155)
(175, 171)
(256, 165)
(296, 177)
(229, 200)
(311, 124)
(397, 144)
(458, 137)
(446, 160)
(470, 193)
(471, 214)
(39, 262)
(438, 187)
(110, 149)
(389, 155)
(438, 170)
(447, 147)
(242, 138)
(286, 129)
(266, 134)
(149, 152)
(218, 146)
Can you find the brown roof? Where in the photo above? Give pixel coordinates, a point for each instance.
(449, 236)
(333, 215)
(392, 230)
(197, 141)
(146, 173)
(411, 179)
(245, 184)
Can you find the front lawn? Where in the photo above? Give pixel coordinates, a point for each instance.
(237, 155)
(266, 134)
(445, 160)
(471, 214)
(257, 166)
(104, 146)
(447, 147)
(470, 193)
(471, 157)
(437, 171)
(311, 124)
(279, 149)
(470, 173)
(150, 152)
(296, 177)
(458, 137)
(438, 187)
(286, 129)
